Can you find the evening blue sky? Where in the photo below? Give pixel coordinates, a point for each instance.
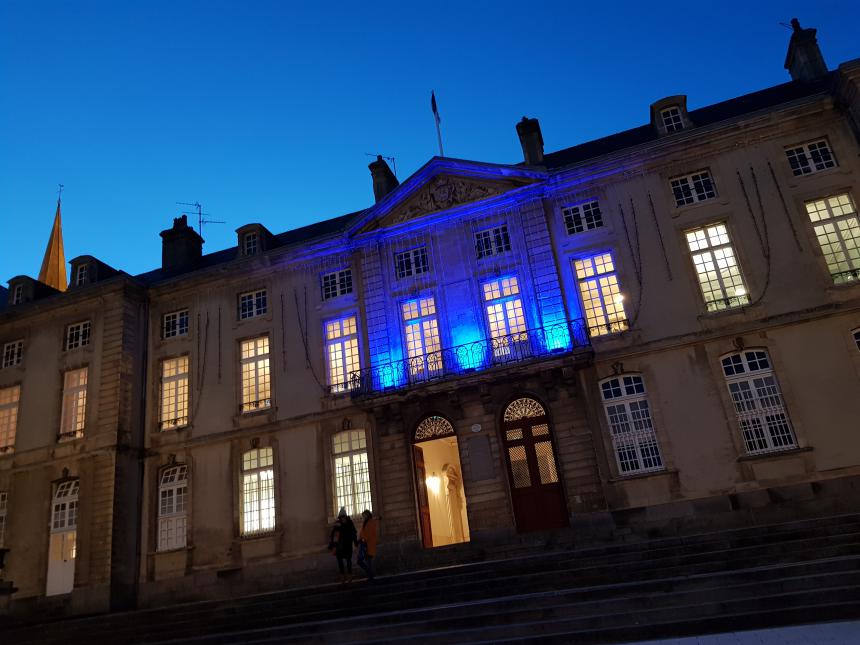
(264, 112)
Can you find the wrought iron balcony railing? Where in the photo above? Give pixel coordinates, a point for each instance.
(549, 340)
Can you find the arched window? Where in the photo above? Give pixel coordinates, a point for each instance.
(172, 504)
(351, 472)
(524, 409)
(433, 427)
(629, 415)
(762, 417)
(258, 491)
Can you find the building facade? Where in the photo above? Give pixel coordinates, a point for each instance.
(654, 332)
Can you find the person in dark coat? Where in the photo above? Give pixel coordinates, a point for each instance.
(342, 538)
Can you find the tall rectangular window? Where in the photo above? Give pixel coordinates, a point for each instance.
(692, 188)
(422, 337)
(258, 491)
(9, 397)
(336, 283)
(717, 268)
(4, 498)
(74, 414)
(172, 503)
(582, 217)
(411, 262)
(351, 472)
(811, 157)
(629, 415)
(505, 315)
(174, 393)
(174, 324)
(601, 294)
(672, 119)
(762, 417)
(252, 303)
(77, 335)
(837, 227)
(250, 243)
(81, 275)
(493, 241)
(18, 294)
(256, 385)
(342, 359)
(12, 353)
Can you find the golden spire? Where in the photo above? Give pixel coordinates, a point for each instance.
(53, 272)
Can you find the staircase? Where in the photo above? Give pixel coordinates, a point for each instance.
(782, 574)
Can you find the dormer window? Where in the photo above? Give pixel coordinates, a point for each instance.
(252, 239)
(250, 243)
(81, 275)
(18, 294)
(669, 115)
(672, 120)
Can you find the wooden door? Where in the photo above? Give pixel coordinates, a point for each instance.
(423, 504)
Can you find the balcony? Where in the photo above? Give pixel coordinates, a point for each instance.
(557, 339)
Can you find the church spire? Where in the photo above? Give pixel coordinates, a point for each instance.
(53, 271)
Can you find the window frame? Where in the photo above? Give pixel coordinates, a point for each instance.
(81, 332)
(629, 394)
(250, 243)
(17, 294)
(359, 499)
(492, 241)
(268, 469)
(401, 271)
(64, 505)
(174, 520)
(73, 413)
(9, 427)
(419, 320)
(81, 274)
(341, 285)
(609, 325)
(175, 379)
(733, 302)
(258, 300)
(13, 353)
(670, 125)
(808, 154)
(262, 403)
(690, 196)
(175, 329)
(588, 221)
(504, 345)
(345, 354)
(856, 334)
(837, 231)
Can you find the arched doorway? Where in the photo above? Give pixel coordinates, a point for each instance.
(439, 483)
(536, 492)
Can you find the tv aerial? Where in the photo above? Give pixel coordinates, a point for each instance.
(200, 216)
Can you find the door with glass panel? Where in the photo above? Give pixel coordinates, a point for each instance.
(536, 491)
(506, 320)
(63, 544)
(422, 339)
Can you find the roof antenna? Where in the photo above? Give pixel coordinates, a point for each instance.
(391, 159)
(200, 214)
(786, 25)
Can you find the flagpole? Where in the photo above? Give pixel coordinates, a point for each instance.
(438, 121)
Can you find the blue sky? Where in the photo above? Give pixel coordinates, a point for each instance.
(265, 113)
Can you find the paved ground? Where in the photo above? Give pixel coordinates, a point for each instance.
(845, 633)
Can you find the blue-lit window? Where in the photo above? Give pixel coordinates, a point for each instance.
(505, 317)
(629, 415)
(601, 294)
(422, 337)
(336, 283)
(342, 357)
(411, 262)
(493, 241)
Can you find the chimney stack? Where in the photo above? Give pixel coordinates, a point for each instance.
(384, 180)
(181, 247)
(804, 60)
(531, 140)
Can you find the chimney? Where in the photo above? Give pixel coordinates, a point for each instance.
(384, 180)
(181, 246)
(531, 140)
(804, 60)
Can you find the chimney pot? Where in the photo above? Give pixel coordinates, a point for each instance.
(384, 180)
(804, 60)
(181, 246)
(531, 140)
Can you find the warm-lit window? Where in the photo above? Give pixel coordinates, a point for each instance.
(351, 472)
(810, 157)
(81, 275)
(18, 294)
(74, 414)
(505, 316)
(13, 353)
(762, 417)
(629, 415)
(582, 217)
(837, 228)
(341, 348)
(174, 393)
(4, 497)
(336, 283)
(422, 337)
(252, 303)
(174, 324)
(258, 491)
(717, 268)
(493, 241)
(411, 262)
(77, 335)
(64, 514)
(696, 187)
(172, 503)
(601, 294)
(250, 243)
(672, 120)
(256, 384)
(9, 397)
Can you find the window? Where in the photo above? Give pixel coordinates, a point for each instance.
(258, 491)
(18, 294)
(64, 516)
(78, 335)
(13, 353)
(174, 324)
(336, 283)
(717, 268)
(601, 294)
(693, 188)
(582, 217)
(493, 241)
(351, 472)
(252, 303)
(81, 275)
(629, 415)
(672, 119)
(811, 157)
(857, 338)
(172, 502)
(422, 337)
(342, 360)
(9, 397)
(505, 315)
(762, 417)
(837, 227)
(4, 496)
(412, 262)
(174, 393)
(256, 393)
(74, 414)
(249, 243)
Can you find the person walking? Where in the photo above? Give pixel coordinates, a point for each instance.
(367, 543)
(342, 537)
